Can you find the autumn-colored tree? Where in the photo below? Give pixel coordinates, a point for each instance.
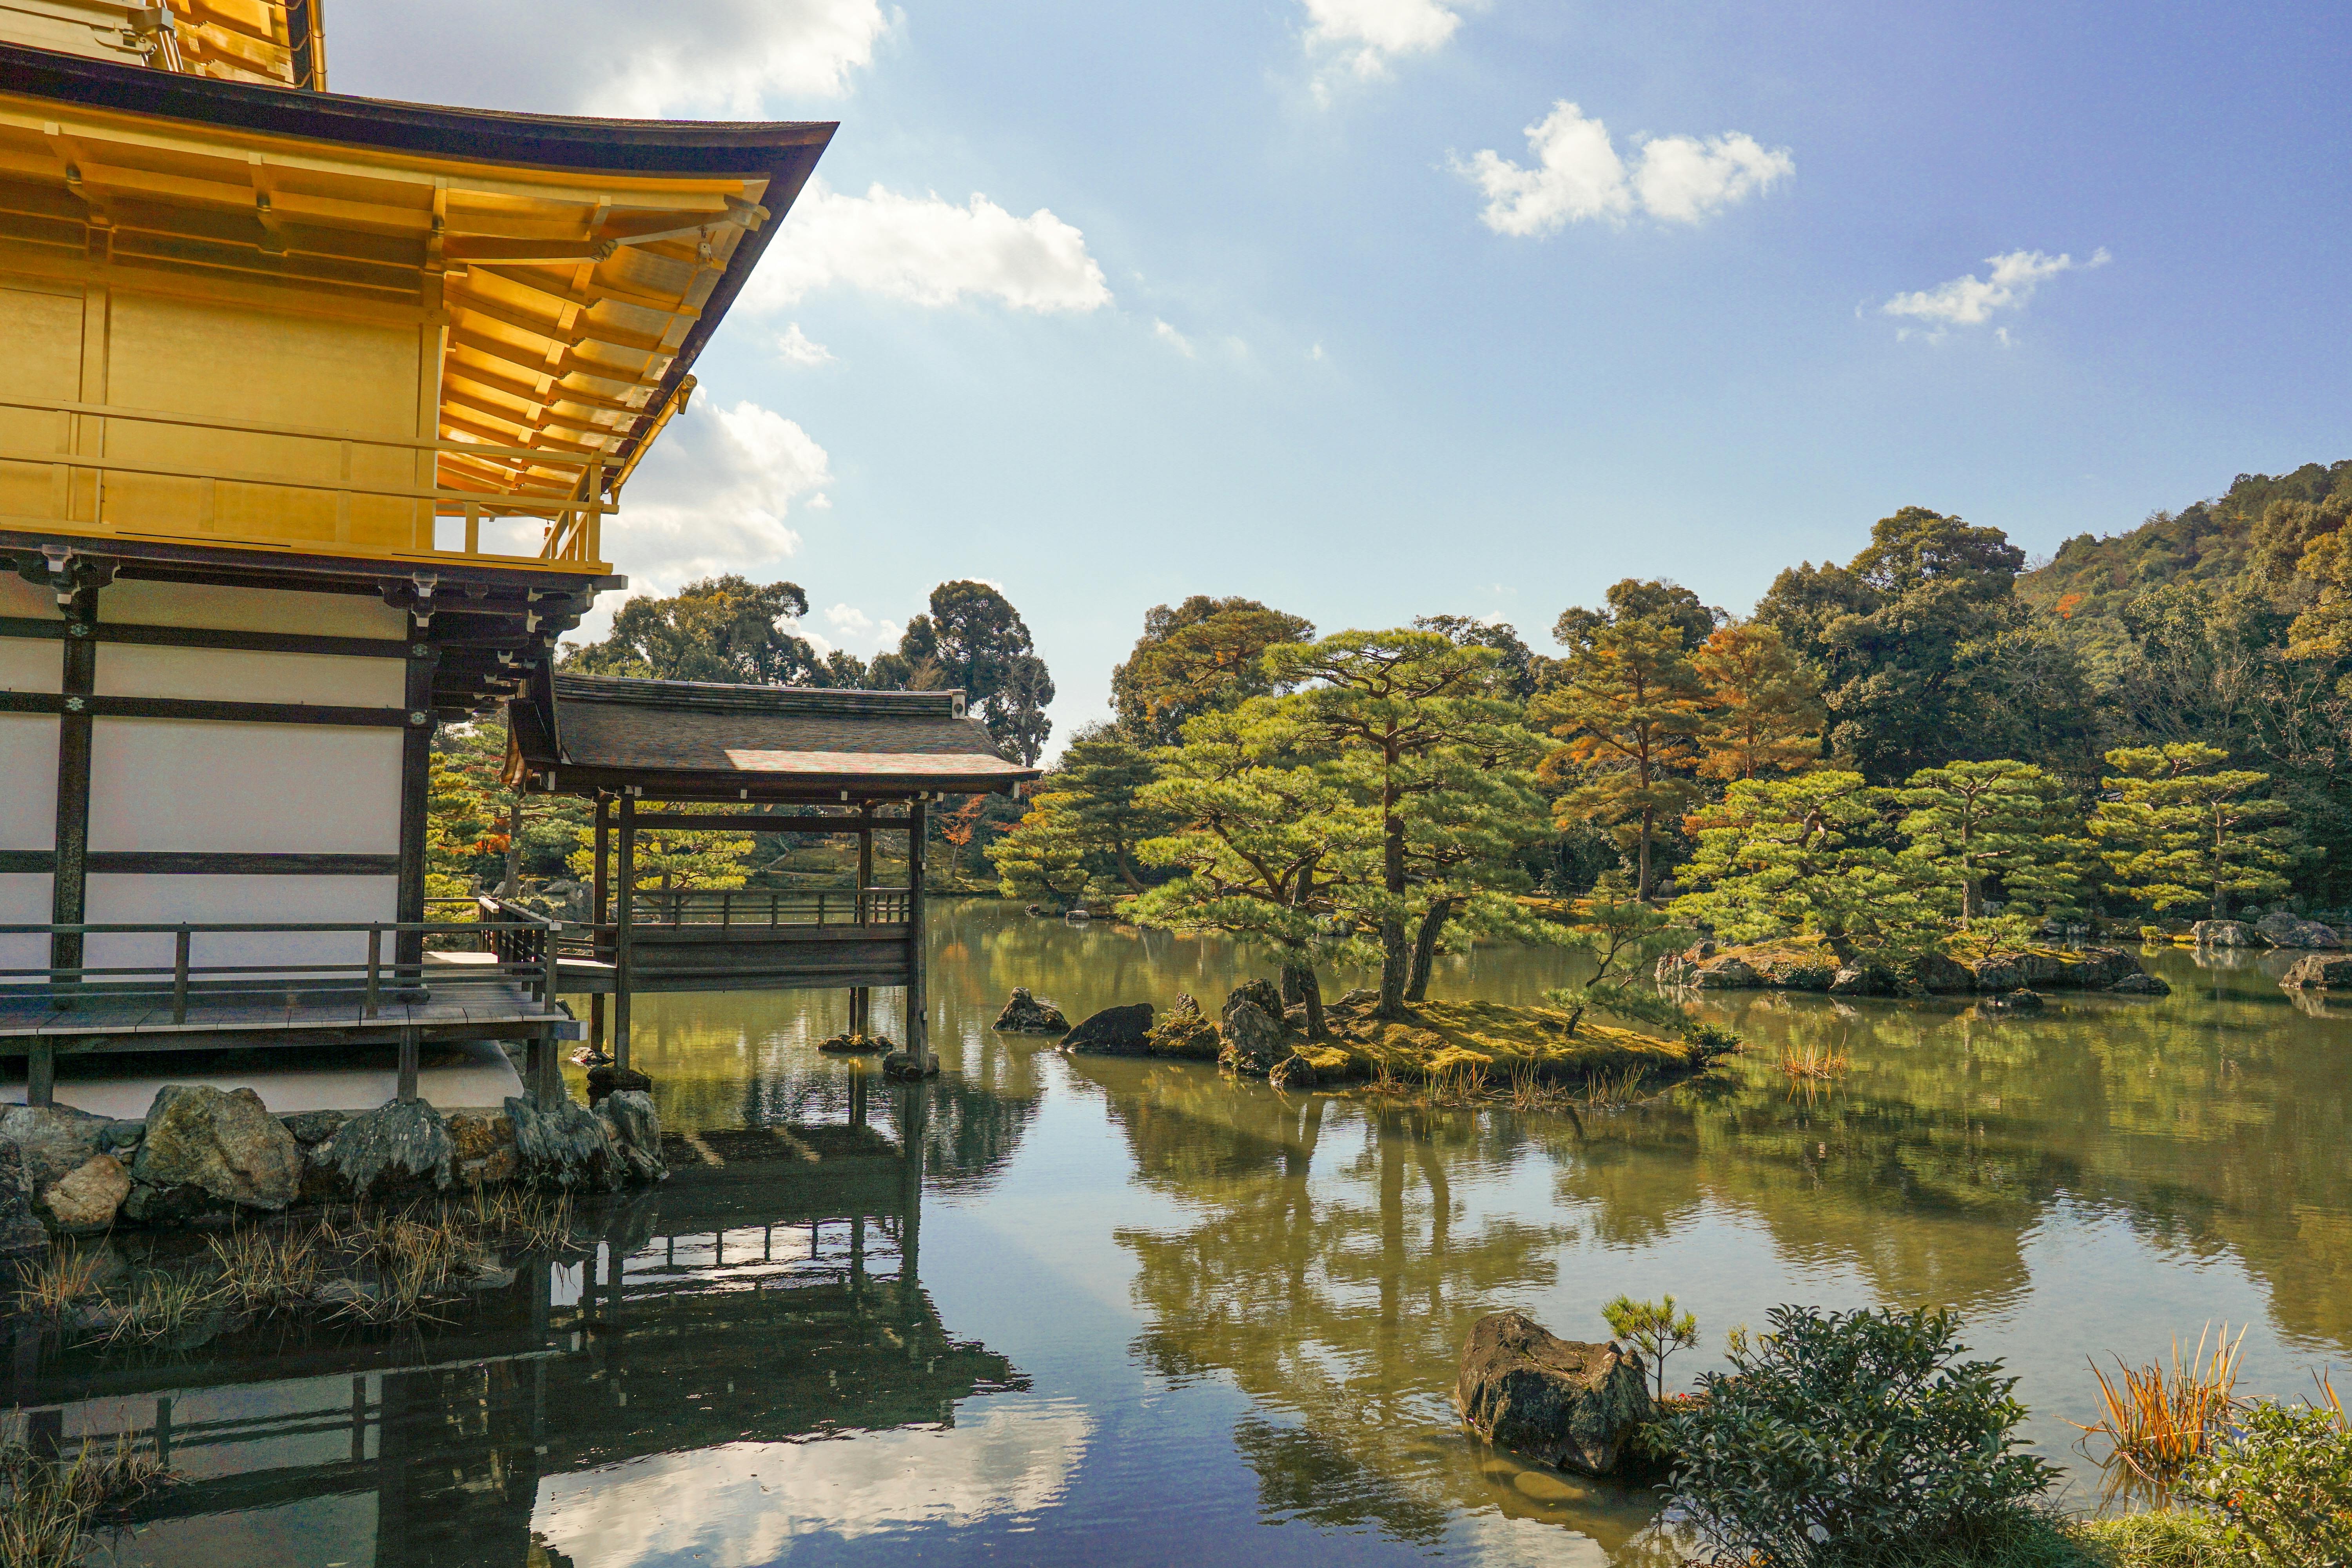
(2185, 830)
(1764, 704)
(1632, 709)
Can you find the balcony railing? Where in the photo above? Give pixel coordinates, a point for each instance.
(108, 469)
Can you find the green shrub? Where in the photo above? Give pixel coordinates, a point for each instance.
(1842, 1438)
(2169, 1538)
(2282, 1476)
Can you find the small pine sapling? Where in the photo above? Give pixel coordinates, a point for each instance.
(1654, 1329)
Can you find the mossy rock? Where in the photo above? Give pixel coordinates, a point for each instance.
(1436, 1039)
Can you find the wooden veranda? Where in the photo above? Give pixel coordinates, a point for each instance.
(689, 756)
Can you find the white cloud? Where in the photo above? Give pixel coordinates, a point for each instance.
(1365, 35)
(1970, 301)
(1315, 352)
(1173, 338)
(713, 495)
(852, 625)
(732, 59)
(927, 251)
(1578, 175)
(796, 348)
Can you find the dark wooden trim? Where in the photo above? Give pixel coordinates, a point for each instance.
(204, 863)
(769, 789)
(205, 708)
(215, 638)
(682, 820)
(415, 784)
(70, 871)
(624, 910)
(918, 1032)
(601, 885)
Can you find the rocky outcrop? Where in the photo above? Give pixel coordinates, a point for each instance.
(635, 1128)
(2226, 933)
(610, 1077)
(19, 1231)
(1184, 1031)
(1024, 1014)
(903, 1065)
(1255, 1037)
(482, 1149)
(2140, 985)
(78, 1181)
(1725, 974)
(1113, 1032)
(2283, 930)
(206, 1150)
(2319, 972)
(1856, 979)
(847, 1045)
(1575, 1405)
(85, 1198)
(563, 1145)
(400, 1149)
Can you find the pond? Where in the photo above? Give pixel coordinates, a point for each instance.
(1131, 1311)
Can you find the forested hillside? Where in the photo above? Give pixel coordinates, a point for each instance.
(2249, 538)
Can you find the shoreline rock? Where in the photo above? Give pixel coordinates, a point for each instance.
(1113, 1032)
(1025, 1015)
(1574, 1405)
(1808, 964)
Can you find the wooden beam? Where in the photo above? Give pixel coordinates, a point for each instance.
(69, 872)
(623, 916)
(714, 821)
(70, 705)
(211, 637)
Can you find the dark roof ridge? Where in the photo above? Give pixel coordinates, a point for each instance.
(716, 696)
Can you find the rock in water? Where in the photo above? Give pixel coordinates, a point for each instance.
(1024, 1014)
(2140, 985)
(1578, 1406)
(2226, 933)
(1726, 974)
(2284, 929)
(205, 1149)
(2018, 1001)
(55, 1138)
(902, 1065)
(636, 1132)
(1255, 1038)
(19, 1231)
(564, 1145)
(1113, 1032)
(1185, 1034)
(2318, 972)
(400, 1148)
(608, 1078)
(87, 1198)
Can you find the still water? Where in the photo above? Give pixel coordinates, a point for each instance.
(1124, 1311)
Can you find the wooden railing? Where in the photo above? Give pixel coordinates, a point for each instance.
(769, 907)
(526, 956)
(284, 507)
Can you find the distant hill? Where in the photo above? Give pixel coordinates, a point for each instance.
(2252, 534)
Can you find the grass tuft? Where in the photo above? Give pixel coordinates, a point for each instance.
(64, 1278)
(2157, 1420)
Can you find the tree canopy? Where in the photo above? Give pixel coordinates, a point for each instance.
(1203, 656)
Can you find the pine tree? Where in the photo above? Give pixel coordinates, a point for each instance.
(2184, 833)
(1408, 721)
(1631, 708)
(1804, 855)
(1969, 823)
(1765, 711)
(1045, 856)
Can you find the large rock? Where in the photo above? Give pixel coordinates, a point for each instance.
(2018, 1001)
(2318, 972)
(564, 1145)
(55, 1138)
(2226, 933)
(636, 1133)
(88, 1197)
(1184, 1031)
(1858, 979)
(482, 1148)
(1252, 1028)
(2284, 929)
(1796, 971)
(400, 1149)
(1024, 1014)
(1113, 1032)
(1725, 974)
(2142, 984)
(208, 1148)
(903, 1066)
(1578, 1406)
(19, 1231)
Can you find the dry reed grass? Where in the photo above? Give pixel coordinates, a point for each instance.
(63, 1279)
(2158, 1419)
(163, 1306)
(267, 1271)
(50, 1503)
(1613, 1090)
(1814, 1065)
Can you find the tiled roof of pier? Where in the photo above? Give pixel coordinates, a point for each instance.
(776, 741)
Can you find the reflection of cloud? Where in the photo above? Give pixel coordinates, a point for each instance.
(746, 1503)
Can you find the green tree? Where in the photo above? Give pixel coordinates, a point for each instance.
(1972, 823)
(1656, 601)
(1515, 670)
(1764, 712)
(1408, 721)
(1045, 856)
(1655, 1329)
(1203, 656)
(1804, 855)
(1619, 931)
(458, 823)
(725, 629)
(1261, 844)
(2184, 830)
(1629, 705)
(671, 860)
(973, 640)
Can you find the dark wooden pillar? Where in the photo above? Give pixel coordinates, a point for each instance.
(69, 878)
(600, 912)
(918, 1032)
(416, 785)
(861, 999)
(624, 914)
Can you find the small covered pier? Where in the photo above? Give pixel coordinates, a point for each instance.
(669, 756)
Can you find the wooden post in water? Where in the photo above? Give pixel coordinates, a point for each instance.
(624, 912)
(918, 1033)
(861, 999)
(600, 892)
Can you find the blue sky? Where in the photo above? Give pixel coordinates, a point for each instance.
(1337, 304)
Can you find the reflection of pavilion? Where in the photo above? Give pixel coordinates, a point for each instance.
(759, 1306)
